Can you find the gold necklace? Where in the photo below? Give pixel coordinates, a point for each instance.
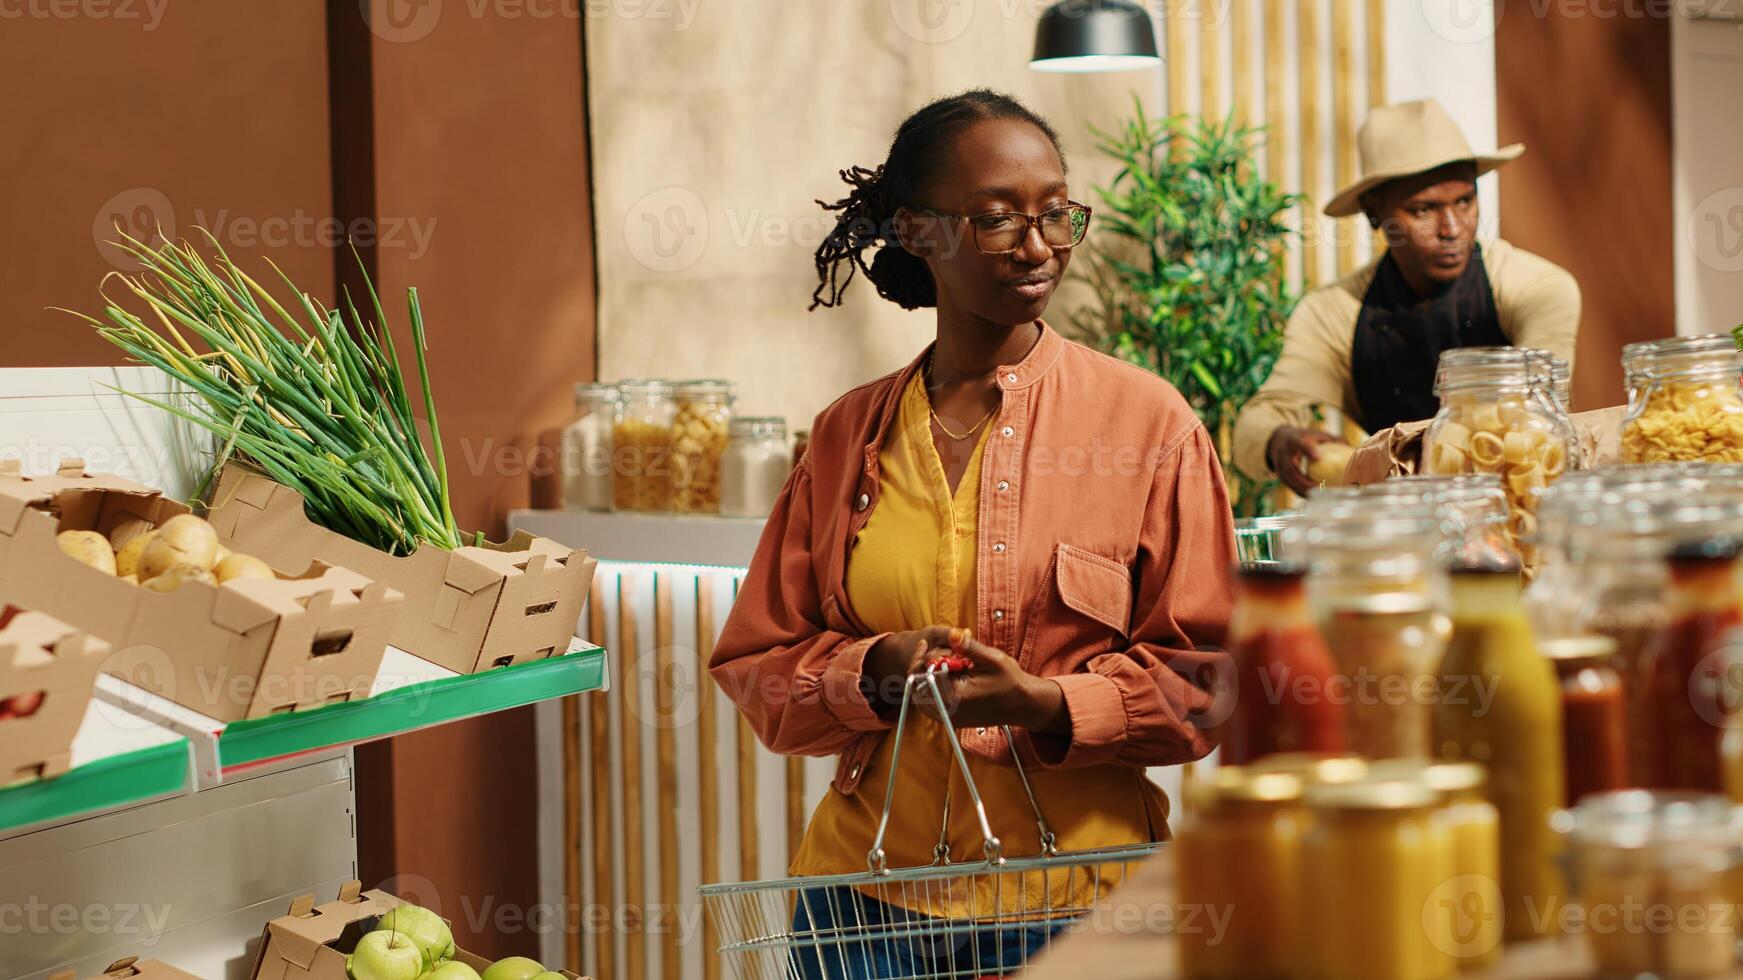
(926, 374)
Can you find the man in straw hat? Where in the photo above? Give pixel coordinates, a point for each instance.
(1369, 343)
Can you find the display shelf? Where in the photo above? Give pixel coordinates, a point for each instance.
(106, 784)
(409, 694)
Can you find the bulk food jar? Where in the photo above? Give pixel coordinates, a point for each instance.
(1282, 671)
(700, 428)
(1238, 848)
(1656, 879)
(642, 447)
(587, 457)
(1473, 512)
(1684, 401)
(1380, 598)
(755, 467)
(1497, 416)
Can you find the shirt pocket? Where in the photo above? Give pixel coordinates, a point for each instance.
(1093, 586)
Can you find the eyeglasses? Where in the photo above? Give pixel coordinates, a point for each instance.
(1003, 232)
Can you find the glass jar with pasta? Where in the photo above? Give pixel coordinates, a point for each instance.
(701, 426)
(1684, 400)
(642, 447)
(1497, 416)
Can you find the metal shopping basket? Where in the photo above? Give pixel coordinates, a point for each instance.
(983, 918)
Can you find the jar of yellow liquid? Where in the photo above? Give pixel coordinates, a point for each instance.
(1472, 898)
(1500, 706)
(1374, 861)
(1237, 858)
(1314, 768)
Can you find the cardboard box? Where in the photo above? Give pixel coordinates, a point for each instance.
(245, 649)
(312, 941)
(133, 968)
(468, 610)
(47, 671)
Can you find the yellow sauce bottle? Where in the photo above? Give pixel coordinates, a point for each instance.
(1500, 705)
(1237, 858)
(1373, 861)
(1472, 899)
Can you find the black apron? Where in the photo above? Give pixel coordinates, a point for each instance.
(1399, 339)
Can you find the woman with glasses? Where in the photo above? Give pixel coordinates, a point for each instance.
(1053, 514)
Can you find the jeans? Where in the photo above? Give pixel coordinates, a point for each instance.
(860, 938)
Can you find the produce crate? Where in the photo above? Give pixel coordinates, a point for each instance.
(469, 610)
(312, 941)
(133, 968)
(47, 672)
(245, 649)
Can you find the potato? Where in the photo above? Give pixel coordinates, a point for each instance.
(176, 576)
(130, 579)
(222, 554)
(126, 528)
(192, 537)
(1328, 468)
(242, 566)
(89, 548)
(127, 557)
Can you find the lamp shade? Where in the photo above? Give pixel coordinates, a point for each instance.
(1095, 35)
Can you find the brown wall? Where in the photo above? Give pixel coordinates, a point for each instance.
(212, 111)
(474, 134)
(1590, 98)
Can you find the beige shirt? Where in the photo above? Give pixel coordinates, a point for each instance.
(1537, 300)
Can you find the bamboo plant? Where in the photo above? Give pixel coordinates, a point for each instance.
(1188, 268)
(317, 399)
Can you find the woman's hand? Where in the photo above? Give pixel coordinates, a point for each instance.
(890, 661)
(996, 690)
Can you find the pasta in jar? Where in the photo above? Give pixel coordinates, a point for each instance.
(1496, 417)
(1684, 401)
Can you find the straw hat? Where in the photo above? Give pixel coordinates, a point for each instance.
(1410, 138)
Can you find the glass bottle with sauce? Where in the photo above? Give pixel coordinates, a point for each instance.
(1594, 715)
(1689, 669)
(755, 467)
(1473, 903)
(1373, 856)
(700, 427)
(1379, 598)
(1283, 671)
(1684, 400)
(1239, 849)
(587, 464)
(642, 447)
(1499, 705)
(1656, 879)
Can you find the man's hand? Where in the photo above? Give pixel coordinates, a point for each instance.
(1289, 451)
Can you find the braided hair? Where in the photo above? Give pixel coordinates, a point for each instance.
(866, 216)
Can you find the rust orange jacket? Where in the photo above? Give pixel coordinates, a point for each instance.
(1105, 562)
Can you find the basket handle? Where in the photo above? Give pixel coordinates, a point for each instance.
(875, 859)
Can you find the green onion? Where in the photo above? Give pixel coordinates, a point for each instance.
(316, 400)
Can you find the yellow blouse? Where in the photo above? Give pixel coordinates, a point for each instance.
(912, 566)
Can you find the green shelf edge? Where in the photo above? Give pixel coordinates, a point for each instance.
(247, 743)
(161, 770)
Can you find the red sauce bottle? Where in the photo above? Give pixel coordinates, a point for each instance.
(1282, 669)
(1687, 667)
(1594, 712)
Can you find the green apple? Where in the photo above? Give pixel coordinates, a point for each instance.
(513, 968)
(451, 970)
(385, 956)
(424, 928)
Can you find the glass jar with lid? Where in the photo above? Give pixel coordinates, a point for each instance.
(1554, 596)
(587, 462)
(1282, 671)
(1594, 715)
(1375, 855)
(755, 466)
(1689, 669)
(1655, 876)
(1380, 598)
(700, 428)
(1238, 848)
(642, 447)
(1684, 400)
(1473, 513)
(1496, 416)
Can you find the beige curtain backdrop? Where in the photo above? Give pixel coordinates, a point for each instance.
(714, 128)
